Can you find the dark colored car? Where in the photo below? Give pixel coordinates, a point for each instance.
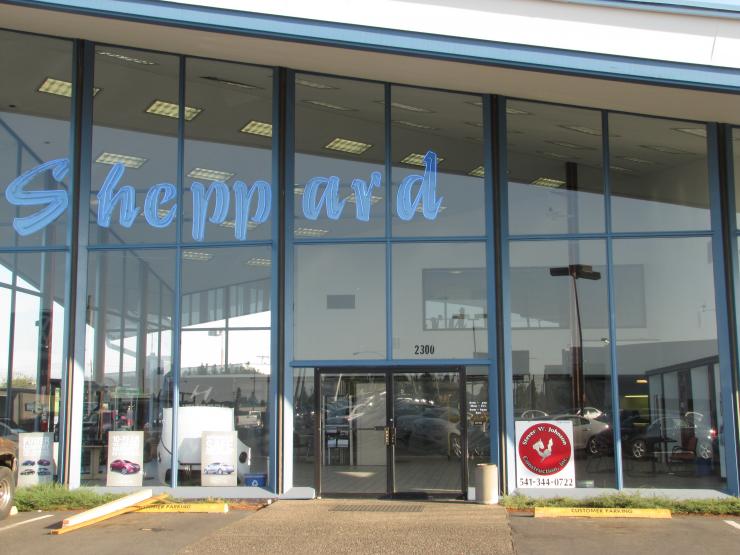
(631, 426)
(44, 472)
(43, 462)
(28, 472)
(29, 463)
(674, 434)
(124, 467)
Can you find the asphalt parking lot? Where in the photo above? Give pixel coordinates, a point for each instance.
(370, 526)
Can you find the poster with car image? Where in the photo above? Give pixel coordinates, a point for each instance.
(35, 458)
(218, 459)
(544, 454)
(125, 459)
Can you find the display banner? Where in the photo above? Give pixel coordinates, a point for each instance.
(125, 459)
(218, 452)
(35, 458)
(544, 454)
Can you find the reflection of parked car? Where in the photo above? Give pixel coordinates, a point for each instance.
(28, 472)
(9, 429)
(43, 462)
(584, 429)
(124, 467)
(672, 434)
(631, 425)
(218, 468)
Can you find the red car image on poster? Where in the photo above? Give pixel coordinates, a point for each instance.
(545, 449)
(124, 466)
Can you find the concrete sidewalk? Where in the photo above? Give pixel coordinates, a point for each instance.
(364, 526)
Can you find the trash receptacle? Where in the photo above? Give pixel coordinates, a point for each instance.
(486, 484)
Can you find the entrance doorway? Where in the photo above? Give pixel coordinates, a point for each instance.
(391, 432)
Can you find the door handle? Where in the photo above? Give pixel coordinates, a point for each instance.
(390, 435)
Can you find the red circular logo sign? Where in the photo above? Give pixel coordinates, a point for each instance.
(544, 449)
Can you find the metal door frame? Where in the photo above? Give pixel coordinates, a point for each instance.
(389, 373)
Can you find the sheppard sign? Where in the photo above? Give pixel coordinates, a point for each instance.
(252, 203)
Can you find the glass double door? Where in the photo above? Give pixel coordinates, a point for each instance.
(391, 432)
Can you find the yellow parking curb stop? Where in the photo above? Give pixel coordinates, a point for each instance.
(610, 512)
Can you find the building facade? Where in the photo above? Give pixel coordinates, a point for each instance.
(371, 239)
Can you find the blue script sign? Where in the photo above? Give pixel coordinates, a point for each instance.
(160, 204)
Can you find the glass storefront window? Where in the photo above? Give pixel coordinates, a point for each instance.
(128, 358)
(479, 420)
(560, 346)
(134, 146)
(670, 410)
(658, 174)
(35, 109)
(339, 302)
(451, 126)
(304, 422)
(555, 180)
(340, 147)
(225, 352)
(440, 307)
(228, 149)
(735, 136)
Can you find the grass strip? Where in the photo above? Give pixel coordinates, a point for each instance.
(56, 497)
(718, 506)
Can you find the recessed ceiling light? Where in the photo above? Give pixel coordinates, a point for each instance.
(259, 261)
(570, 145)
(314, 84)
(666, 149)
(416, 159)
(125, 58)
(695, 131)
(548, 182)
(126, 160)
(413, 124)
(196, 256)
(59, 87)
(261, 128)
(480, 171)
(584, 130)
(407, 107)
(636, 160)
(516, 112)
(229, 82)
(170, 110)
(310, 232)
(347, 145)
(210, 175)
(329, 105)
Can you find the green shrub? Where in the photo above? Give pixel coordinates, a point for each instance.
(718, 506)
(56, 497)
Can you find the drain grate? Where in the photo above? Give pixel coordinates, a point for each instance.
(378, 508)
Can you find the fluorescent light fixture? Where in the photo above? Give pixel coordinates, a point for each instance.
(555, 155)
(635, 396)
(641, 380)
(407, 107)
(196, 256)
(573, 146)
(298, 190)
(480, 171)
(255, 127)
(548, 182)
(125, 58)
(329, 105)
(314, 84)
(695, 131)
(517, 112)
(413, 124)
(636, 160)
(210, 175)
(59, 87)
(347, 145)
(310, 232)
(125, 159)
(584, 130)
(665, 149)
(374, 199)
(416, 159)
(170, 110)
(258, 261)
(230, 83)
(230, 224)
(420, 208)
